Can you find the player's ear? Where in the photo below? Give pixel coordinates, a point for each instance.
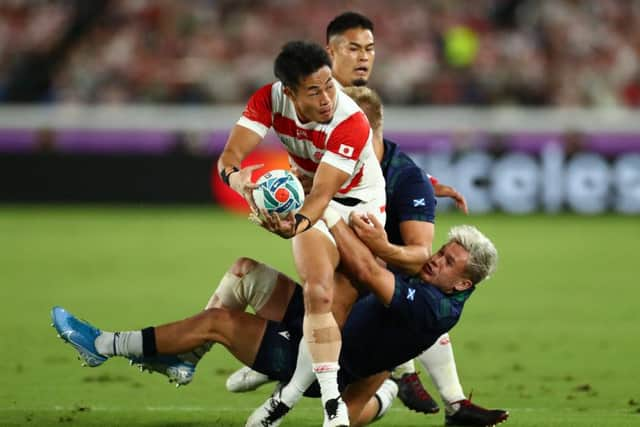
(329, 49)
(290, 93)
(463, 285)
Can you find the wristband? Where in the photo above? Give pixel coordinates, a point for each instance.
(299, 218)
(331, 217)
(225, 176)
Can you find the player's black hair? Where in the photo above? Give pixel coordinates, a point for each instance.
(347, 21)
(297, 60)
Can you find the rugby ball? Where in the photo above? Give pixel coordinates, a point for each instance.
(280, 192)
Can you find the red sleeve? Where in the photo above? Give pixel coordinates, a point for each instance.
(259, 107)
(433, 179)
(349, 137)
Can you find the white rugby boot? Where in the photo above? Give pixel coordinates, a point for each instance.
(245, 379)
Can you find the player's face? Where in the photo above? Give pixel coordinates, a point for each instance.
(445, 269)
(315, 97)
(352, 53)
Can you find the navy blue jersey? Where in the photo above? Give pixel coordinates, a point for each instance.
(410, 195)
(375, 337)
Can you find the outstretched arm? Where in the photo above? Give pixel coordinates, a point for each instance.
(442, 190)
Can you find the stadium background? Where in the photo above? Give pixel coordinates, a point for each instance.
(113, 112)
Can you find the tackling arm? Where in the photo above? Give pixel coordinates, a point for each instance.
(358, 260)
(413, 207)
(417, 235)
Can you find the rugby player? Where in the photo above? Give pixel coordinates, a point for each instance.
(400, 317)
(328, 137)
(351, 45)
(405, 183)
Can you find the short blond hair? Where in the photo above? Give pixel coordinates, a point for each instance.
(483, 255)
(369, 101)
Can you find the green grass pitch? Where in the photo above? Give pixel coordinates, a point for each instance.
(553, 336)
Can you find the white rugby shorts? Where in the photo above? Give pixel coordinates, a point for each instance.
(375, 207)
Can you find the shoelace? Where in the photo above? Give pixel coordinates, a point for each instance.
(277, 410)
(273, 407)
(467, 402)
(414, 382)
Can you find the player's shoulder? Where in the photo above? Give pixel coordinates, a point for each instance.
(402, 160)
(419, 295)
(405, 281)
(446, 306)
(413, 281)
(271, 96)
(395, 160)
(349, 125)
(402, 172)
(265, 96)
(273, 91)
(347, 109)
(441, 310)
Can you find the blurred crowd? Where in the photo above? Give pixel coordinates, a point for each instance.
(439, 52)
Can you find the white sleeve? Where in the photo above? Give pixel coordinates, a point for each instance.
(257, 127)
(337, 161)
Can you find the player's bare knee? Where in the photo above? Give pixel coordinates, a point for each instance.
(318, 295)
(212, 318)
(216, 324)
(247, 282)
(229, 293)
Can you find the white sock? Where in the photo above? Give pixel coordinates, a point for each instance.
(439, 362)
(302, 378)
(127, 344)
(327, 375)
(323, 339)
(385, 394)
(406, 368)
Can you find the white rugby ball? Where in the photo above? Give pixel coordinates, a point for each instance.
(280, 192)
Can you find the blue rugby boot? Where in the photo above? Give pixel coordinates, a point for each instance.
(173, 367)
(79, 334)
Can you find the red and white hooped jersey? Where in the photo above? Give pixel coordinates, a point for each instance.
(344, 142)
